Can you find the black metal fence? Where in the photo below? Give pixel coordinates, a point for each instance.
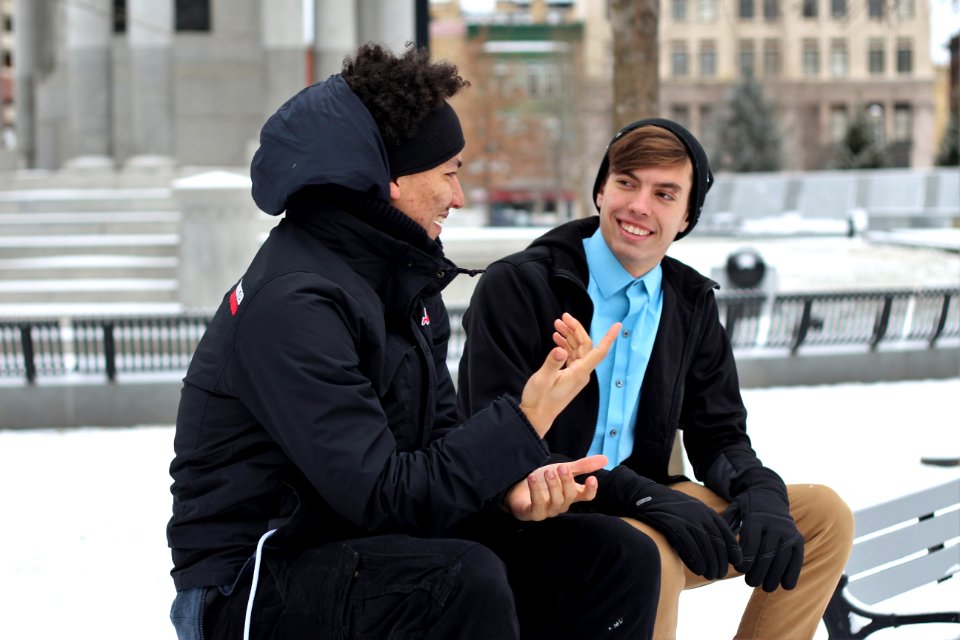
(110, 346)
(101, 345)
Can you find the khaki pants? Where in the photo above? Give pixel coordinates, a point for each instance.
(826, 523)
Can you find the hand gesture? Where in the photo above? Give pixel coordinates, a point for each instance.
(564, 373)
(551, 489)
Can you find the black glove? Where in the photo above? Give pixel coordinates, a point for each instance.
(772, 545)
(701, 538)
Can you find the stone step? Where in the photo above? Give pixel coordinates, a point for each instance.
(52, 200)
(88, 266)
(88, 222)
(92, 290)
(155, 244)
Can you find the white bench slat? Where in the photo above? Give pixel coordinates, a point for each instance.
(904, 577)
(900, 543)
(887, 514)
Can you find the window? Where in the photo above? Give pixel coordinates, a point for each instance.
(771, 10)
(809, 8)
(679, 10)
(876, 9)
(811, 58)
(839, 122)
(680, 113)
(747, 57)
(875, 116)
(875, 56)
(192, 15)
(905, 8)
(708, 59)
(902, 122)
(746, 10)
(771, 58)
(706, 117)
(904, 56)
(119, 16)
(839, 58)
(838, 8)
(706, 10)
(679, 59)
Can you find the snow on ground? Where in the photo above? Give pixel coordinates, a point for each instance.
(85, 509)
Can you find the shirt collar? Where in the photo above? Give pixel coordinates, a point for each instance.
(609, 274)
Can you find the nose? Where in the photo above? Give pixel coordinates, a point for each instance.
(458, 199)
(640, 204)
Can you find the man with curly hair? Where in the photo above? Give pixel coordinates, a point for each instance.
(318, 462)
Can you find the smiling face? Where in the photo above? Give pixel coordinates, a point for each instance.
(427, 197)
(641, 212)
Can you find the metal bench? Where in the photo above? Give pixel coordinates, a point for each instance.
(899, 545)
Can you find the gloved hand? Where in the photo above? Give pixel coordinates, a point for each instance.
(701, 538)
(772, 546)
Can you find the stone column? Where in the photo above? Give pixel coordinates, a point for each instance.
(389, 22)
(335, 35)
(149, 38)
(285, 51)
(25, 58)
(88, 31)
(220, 231)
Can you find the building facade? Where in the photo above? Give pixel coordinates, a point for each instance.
(521, 116)
(818, 61)
(117, 82)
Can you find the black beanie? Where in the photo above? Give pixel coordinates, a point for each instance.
(702, 178)
(438, 138)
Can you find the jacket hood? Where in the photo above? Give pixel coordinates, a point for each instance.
(323, 135)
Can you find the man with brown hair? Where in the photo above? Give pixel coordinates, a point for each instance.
(671, 368)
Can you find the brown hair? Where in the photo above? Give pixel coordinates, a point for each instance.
(646, 146)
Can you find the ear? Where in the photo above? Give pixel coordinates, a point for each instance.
(600, 195)
(394, 189)
(686, 223)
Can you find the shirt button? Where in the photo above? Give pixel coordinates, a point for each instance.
(619, 384)
(626, 333)
(613, 433)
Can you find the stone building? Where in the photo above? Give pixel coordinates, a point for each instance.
(110, 83)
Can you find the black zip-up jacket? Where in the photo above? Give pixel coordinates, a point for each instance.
(318, 400)
(690, 382)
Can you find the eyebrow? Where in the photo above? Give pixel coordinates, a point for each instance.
(673, 186)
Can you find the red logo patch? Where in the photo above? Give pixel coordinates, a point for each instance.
(236, 297)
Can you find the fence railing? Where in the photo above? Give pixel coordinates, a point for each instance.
(32, 348)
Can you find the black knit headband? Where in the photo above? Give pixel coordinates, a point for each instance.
(438, 138)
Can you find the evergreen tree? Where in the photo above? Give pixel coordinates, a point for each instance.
(749, 139)
(862, 146)
(949, 154)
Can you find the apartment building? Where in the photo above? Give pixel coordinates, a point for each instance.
(818, 61)
(522, 116)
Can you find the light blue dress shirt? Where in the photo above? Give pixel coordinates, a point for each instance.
(637, 303)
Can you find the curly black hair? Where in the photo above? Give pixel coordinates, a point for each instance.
(399, 91)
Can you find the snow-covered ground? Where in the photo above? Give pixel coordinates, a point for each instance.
(84, 510)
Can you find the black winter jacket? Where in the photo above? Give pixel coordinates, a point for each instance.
(318, 400)
(691, 381)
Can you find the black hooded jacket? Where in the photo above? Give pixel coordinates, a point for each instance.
(690, 383)
(318, 400)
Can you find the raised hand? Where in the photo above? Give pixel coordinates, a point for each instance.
(564, 373)
(550, 490)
